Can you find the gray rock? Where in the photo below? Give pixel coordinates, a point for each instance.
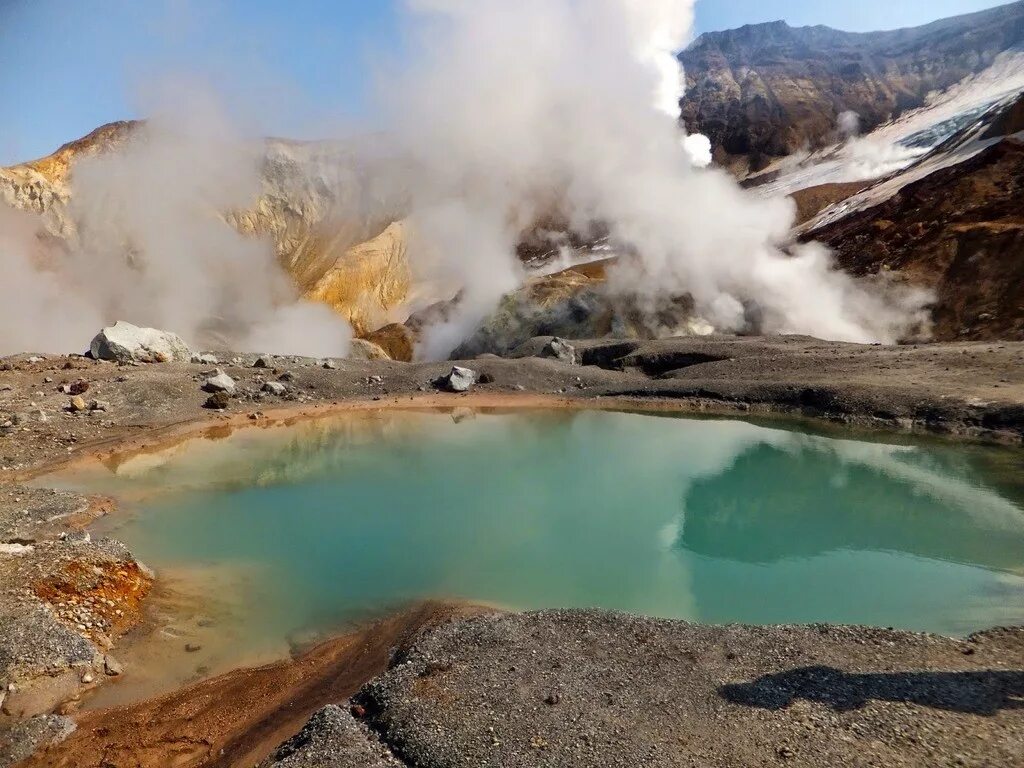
(76, 537)
(99, 405)
(560, 350)
(205, 359)
(127, 343)
(218, 401)
(35, 644)
(459, 380)
(220, 382)
(112, 666)
(26, 737)
(332, 739)
(275, 388)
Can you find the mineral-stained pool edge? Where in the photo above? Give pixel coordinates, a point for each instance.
(706, 520)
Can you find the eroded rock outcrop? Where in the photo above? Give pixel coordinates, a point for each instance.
(578, 303)
(364, 282)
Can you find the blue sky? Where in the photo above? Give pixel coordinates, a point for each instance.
(297, 68)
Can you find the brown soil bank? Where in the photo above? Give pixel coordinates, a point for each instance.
(237, 719)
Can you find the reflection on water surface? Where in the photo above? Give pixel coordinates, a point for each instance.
(699, 519)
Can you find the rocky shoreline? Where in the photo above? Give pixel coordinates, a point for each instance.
(66, 599)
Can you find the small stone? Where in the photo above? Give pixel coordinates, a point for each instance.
(558, 349)
(261, 362)
(287, 376)
(205, 359)
(79, 387)
(87, 678)
(459, 380)
(218, 401)
(112, 666)
(330, 365)
(99, 405)
(193, 647)
(275, 388)
(77, 404)
(220, 382)
(48, 380)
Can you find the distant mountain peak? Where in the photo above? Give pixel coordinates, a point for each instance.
(767, 90)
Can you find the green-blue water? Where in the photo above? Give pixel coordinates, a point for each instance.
(714, 521)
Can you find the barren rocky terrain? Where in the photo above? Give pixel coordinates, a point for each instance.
(450, 685)
(67, 599)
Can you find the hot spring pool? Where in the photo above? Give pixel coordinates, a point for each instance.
(708, 520)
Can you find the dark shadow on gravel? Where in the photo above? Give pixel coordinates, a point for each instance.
(978, 693)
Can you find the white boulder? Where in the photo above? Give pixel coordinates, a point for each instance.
(127, 343)
(459, 380)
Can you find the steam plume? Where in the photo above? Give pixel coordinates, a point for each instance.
(151, 246)
(512, 109)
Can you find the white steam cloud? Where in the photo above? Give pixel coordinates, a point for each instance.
(513, 110)
(41, 310)
(151, 246)
(507, 113)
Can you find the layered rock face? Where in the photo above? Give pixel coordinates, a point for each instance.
(769, 90)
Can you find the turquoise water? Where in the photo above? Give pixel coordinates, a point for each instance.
(708, 520)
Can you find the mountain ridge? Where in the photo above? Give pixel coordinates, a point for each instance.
(769, 90)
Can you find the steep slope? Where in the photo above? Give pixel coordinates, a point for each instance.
(769, 90)
(954, 222)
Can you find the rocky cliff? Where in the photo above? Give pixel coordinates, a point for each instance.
(769, 90)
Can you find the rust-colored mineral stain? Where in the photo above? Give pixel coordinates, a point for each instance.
(114, 592)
